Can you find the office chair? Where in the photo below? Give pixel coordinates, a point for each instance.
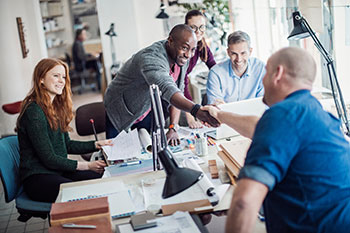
(84, 113)
(12, 108)
(9, 173)
(204, 100)
(79, 76)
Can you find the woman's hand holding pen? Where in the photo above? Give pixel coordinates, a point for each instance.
(97, 166)
(99, 144)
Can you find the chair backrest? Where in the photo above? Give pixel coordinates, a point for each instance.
(9, 166)
(84, 113)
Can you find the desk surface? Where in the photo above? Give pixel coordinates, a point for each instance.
(135, 179)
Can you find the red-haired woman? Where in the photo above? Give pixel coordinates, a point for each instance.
(42, 127)
(196, 20)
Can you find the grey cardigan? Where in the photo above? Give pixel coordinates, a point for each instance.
(127, 96)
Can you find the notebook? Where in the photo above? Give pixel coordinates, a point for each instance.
(119, 198)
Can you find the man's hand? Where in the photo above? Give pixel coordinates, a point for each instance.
(173, 137)
(204, 116)
(219, 101)
(192, 123)
(213, 111)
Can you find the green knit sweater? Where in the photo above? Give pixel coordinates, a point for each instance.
(43, 150)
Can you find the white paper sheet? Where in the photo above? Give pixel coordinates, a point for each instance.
(153, 194)
(179, 222)
(125, 146)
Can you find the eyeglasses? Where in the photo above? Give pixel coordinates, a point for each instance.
(201, 28)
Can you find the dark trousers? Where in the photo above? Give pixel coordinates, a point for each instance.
(95, 65)
(45, 187)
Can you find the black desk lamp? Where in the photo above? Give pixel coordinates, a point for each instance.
(162, 14)
(177, 179)
(302, 30)
(115, 66)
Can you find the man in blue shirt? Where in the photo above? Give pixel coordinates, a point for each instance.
(240, 76)
(299, 160)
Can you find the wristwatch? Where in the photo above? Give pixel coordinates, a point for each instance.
(195, 109)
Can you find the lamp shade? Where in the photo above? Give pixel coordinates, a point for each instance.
(177, 179)
(162, 14)
(299, 31)
(111, 31)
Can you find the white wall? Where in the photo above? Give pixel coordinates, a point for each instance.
(135, 24)
(16, 72)
(342, 51)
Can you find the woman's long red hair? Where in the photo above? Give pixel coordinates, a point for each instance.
(59, 112)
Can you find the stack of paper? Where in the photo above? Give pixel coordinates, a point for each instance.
(233, 155)
(128, 145)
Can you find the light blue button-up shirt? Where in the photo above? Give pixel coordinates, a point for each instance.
(224, 84)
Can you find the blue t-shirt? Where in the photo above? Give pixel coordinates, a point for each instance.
(299, 152)
(224, 84)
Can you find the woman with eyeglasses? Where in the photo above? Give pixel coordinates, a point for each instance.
(196, 20)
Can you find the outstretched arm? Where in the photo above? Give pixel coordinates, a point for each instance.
(179, 101)
(244, 125)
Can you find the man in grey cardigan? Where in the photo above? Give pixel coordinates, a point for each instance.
(164, 63)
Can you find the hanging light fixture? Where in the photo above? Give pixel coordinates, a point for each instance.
(162, 14)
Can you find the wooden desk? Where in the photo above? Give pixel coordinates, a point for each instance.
(135, 180)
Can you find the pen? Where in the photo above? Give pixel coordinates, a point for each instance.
(72, 225)
(93, 128)
(129, 163)
(211, 141)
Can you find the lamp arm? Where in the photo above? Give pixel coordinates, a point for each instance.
(342, 112)
(336, 91)
(317, 42)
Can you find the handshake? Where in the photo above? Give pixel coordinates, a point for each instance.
(207, 114)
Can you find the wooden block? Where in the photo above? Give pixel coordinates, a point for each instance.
(82, 210)
(214, 173)
(232, 177)
(213, 169)
(200, 206)
(229, 164)
(237, 150)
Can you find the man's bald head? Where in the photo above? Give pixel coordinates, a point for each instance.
(299, 65)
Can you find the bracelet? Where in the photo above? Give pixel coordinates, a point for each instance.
(172, 126)
(195, 109)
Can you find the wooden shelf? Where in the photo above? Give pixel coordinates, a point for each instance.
(50, 0)
(57, 46)
(56, 30)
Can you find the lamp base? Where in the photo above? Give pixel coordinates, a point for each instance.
(179, 180)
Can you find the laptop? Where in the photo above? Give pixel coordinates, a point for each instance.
(250, 107)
